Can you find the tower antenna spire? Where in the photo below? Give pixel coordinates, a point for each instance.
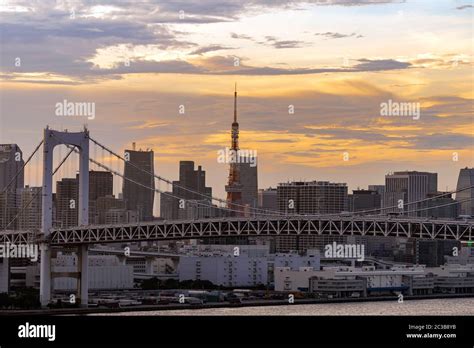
(235, 103)
(235, 125)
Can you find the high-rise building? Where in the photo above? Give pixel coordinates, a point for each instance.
(402, 188)
(365, 200)
(465, 197)
(441, 205)
(11, 162)
(9, 203)
(139, 191)
(100, 185)
(120, 216)
(67, 198)
(168, 210)
(249, 182)
(267, 199)
(191, 180)
(31, 205)
(432, 253)
(380, 189)
(194, 198)
(312, 197)
(105, 204)
(67, 203)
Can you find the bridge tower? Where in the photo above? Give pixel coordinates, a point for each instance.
(80, 140)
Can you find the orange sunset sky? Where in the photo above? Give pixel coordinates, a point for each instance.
(334, 61)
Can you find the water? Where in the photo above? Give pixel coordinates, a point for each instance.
(457, 306)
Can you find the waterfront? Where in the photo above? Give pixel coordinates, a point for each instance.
(464, 306)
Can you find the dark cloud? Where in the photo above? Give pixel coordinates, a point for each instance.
(379, 65)
(216, 65)
(445, 141)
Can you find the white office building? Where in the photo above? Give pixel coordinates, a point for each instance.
(288, 279)
(295, 261)
(226, 270)
(105, 272)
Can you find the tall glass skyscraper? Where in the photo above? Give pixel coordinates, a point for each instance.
(466, 196)
(138, 192)
(11, 160)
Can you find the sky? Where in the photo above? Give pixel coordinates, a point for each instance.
(311, 78)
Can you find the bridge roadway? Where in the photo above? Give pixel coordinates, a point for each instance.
(461, 230)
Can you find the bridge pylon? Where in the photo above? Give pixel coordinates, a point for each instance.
(80, 140)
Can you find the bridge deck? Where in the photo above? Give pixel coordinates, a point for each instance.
(234, 227)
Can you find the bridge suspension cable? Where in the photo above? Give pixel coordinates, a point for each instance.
(407, 204)
(211, 198)
(22, 167)
(162, 192)
(440, 206)
(165, 193)
(35, 195)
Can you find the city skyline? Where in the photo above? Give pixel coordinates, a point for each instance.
(117, 184)
(140, 63)
(281, 159)
(401, 189)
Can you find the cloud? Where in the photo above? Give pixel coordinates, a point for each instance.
(210, 48)
(333, 35)
(240, 36)
(363, 65)
(463, 7)
(445, 61)
(216, 65)
(65, 38)
(380, 65)
(357, 2)
(65, 48)
(283, 141)
(273, 41)
(446, 141)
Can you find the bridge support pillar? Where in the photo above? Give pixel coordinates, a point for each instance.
(83, 265)
(45, 275)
